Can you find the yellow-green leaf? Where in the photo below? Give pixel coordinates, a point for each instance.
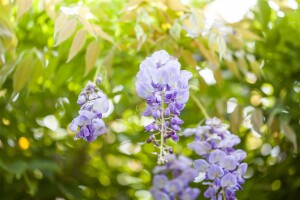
(77, 44)
(66, 31)
(92, 52)
(23, 72)
(176, 5)
(236, 119)
(87, 26)
(37, 67)
(23, 7)
(248, 34)
(230, 63)
(289, 134)
(257, 120)
(98, 30)
(60, 22)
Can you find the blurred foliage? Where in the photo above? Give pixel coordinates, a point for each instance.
(49, 49)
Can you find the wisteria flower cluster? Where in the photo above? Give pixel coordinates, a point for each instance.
(221, 168)
(165, 88)
(176, 187)
(93, 104)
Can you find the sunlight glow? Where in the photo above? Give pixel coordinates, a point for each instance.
(231, 10)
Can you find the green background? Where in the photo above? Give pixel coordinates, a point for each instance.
(255, 63)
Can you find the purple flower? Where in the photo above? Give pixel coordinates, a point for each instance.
(93, 104)
(176, 186)
(221, 166)
(229, 180)
(164, 86)
(200, 147)
(214, 172)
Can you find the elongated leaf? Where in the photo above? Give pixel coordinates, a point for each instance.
(188, 58)
(248, 34)
(176, 5)
(257, 120)
(23, 72)
(87, 26)
(236, 119)
(221, 46)
(231, 64)
(66, 31)
(289, 134)
(98, 30)
(38, 68)
(92, 52)
(77, 44)
(175, 30)
(6, 70)
(60, 22)
(23, 7)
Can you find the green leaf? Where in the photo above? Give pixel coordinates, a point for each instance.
(23, 7)
(236, 119)
(38, 68)
(231, 64)
(175, 30)
(257, 120)
(139, 31)
(23, 72)
(60, 22)
(6, 70)
(264, 13)
(77, 44)
(32, 185)
(17, 168)
(221, 46)
(289, 134)
(66, 31)
(91, 55)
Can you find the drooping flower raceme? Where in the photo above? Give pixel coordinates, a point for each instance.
(93, 104)
(165, 88)
(221, 167)
(172, 180)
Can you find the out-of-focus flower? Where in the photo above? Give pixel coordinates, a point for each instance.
(89, 124)
(221, 167)
(172, 180)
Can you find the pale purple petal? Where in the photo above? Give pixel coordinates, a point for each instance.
(159, 181)
(200, 147)
(101, 105)
(201, 165)
(216, 156)
(214, 172)
(228, 180)
(228, 162)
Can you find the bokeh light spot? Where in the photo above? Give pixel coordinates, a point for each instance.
(276, 185)
(23, 143)
(5, 121)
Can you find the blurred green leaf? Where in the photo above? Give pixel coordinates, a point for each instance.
(289, 134)
(77, 44)
(23, 72)
(91, 55)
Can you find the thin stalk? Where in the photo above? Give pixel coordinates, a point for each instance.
(97, 74)
(224, 194)
(199, 104)
(162, 131)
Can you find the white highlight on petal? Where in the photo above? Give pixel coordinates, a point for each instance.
(200, 177)
(208, 76)
(51, 122)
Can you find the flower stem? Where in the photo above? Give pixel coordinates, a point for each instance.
(224, 194)
(161, 159)
(199, 104)
(97, 74)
